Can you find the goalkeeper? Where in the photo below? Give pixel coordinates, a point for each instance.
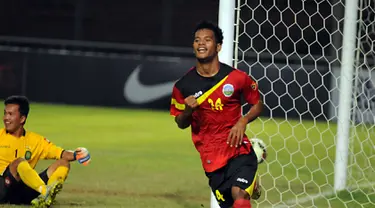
(20, 151)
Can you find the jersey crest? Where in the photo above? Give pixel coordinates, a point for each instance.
(28, 155)
(228, 90)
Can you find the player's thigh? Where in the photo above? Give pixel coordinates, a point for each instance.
(223, 196)
(246, 179)
(2, 190)
(221, 188)
(10, 188)
(245, 174)
(239, 171)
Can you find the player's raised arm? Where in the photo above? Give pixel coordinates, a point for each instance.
(182, 108)
(184, 119)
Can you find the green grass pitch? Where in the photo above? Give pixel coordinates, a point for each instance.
(141, 159)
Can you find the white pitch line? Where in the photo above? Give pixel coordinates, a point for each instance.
(293, 202)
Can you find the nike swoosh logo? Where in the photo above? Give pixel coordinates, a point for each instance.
(138, 93)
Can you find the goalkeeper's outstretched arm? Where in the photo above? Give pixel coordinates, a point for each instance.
(68, 155)
(81, 154)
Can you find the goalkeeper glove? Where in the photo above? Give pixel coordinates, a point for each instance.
(82, 155)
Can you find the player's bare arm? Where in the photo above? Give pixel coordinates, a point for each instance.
(68, 155)
(254, 112)
(81, 154)
(184, 119)
(236, 134)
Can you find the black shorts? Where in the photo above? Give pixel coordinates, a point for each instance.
(240, 171)
(16, 192)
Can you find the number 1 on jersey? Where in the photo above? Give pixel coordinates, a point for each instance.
(15, 154)
(217, 105)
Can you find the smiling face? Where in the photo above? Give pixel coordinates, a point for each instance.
(205, 46)
(12, 118)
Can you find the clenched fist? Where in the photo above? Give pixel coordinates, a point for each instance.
(191, 103)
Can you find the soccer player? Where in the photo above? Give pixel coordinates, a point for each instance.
(208, 98)
(20, 151)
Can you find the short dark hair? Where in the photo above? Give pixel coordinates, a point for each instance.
(211, 26)
(21, 101)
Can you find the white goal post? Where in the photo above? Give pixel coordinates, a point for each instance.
(315, 65)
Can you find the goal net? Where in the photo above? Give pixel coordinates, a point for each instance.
(314, 63)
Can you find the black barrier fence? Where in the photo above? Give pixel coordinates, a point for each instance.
(12, 73)
(137, 81)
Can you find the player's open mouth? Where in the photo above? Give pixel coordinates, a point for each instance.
(202, 50)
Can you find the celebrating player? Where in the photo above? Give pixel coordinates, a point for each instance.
(20, 151)
(208, 98)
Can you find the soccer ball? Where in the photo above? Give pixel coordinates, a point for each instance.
(259, 148)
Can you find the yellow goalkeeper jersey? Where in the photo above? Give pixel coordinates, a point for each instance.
(31, 146)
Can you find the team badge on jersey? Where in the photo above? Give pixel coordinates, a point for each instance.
(254, 86)
(228, 90)
(28, 155)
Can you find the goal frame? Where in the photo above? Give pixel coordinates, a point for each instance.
(229, 24)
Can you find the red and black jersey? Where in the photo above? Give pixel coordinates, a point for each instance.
(219, 99)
